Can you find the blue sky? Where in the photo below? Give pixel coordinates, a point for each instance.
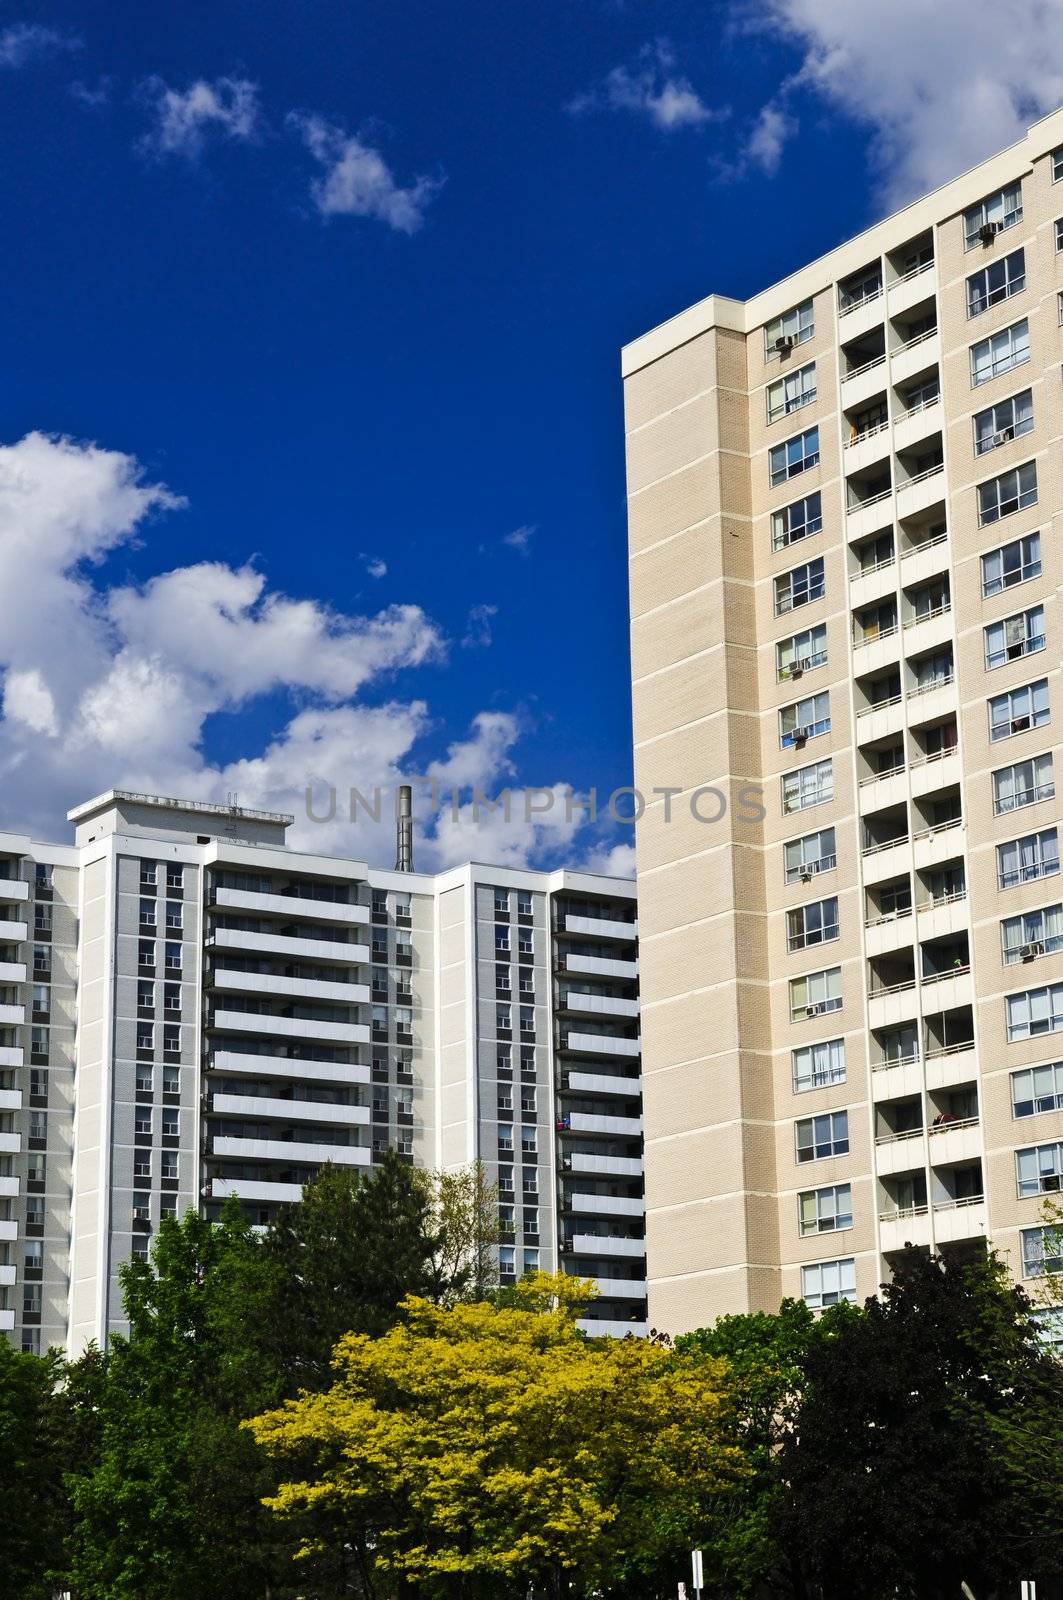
(351, 282)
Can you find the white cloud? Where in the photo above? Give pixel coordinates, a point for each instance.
(939, 86)
(113, 684)
(478, 634)
(375, 567)
(650, 90)
(22, 42)
(357, 181)
(520, 538)
(772, 130)
(184, 118)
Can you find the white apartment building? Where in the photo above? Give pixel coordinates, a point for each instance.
(190, 1009)
(846, 524)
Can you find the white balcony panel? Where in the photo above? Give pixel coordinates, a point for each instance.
(598, 1166)
(937, 922)
(906, 1154)
(895, 1232)
(10, 1144)
(889, 1010)
(620, 1288)
(251, 1189)
(894, 933)
(914, 429)
(14, 932)
(928, 635)
(959, 1222)
(949, 1145)
(889, 1083)
(919, 566)
(890, 790)
(879, 722)
(601, 1044)
(9, 1187)
(920, 494)
(947, 993)
(861, 318)
(13, 1016)
(292, 1027)
(12, 972)
(602, 1083)
(889, 863)
(862, 521)
(863, 385)
(7, 1321)
(225, 1147)
(7, 1277)
(939, 774)
(955, 1066)
(871, 655)
(918, 357)
(229, 1061)
(626, 1127)
(14, 889)
(253, 1105)
(297, 988)
(11, 1055)
(605, 1205)
(10, 1099)
(604, 1005)
(865, 588)
(912, 290)
(279, 944)
(595, 1244)
(866, 451)
(8, 1232)
(605, 1328)
(291, 907)
(941, 845)
(600, 927)
(601, 967)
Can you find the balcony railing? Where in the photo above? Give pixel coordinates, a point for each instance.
(923, 405)
(872, 500)
(950, 1123)
(862, 297)
(941, 682)
(928, 616)
(868, 366)
(879, 705)
(959, 1205)
(934, 755)
(920, 338)
(874, 566)
(926, 544)
(921, 477)
(898, 1138)
(895, 1061)
(888, 916)
(877, 989)
(942, 1050)
(866, 433)
(888, 844)
(872, 636)
(880, 775)
(942, 900)
(959, 971)
(938, 827)
(902, 1213)
(916, 272)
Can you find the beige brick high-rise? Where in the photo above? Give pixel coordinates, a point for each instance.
(846, 506)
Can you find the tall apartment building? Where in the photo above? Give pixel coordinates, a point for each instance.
(846, 524)
(190, 1009)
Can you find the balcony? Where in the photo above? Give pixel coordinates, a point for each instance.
(881, 789)
(926, 559)
(899, 1152)
(265, 1108)
(896, 1079)
(11, 1055)
(290, 1027)
(12, 972)
(620, 1288)
(929, 631)
(938, 771)
(604, 1205)
(959, 1219)
(610, 1328)
(227, 1147)
(862, 382)
(601, 1083)
(599, 966)
(866, 515)
(8, 1232)
(10, 1099)
(289, 907)
(903, 1225)
(606, 1166)
(601, 927)
(12, 1016)
(14, 889)
(889, 860)
(934, 846)
(867, 447)
(912, 289)
(888, 933)
(915, 356)
(603, 1005)
(612, 1127)
(934, 701)
(7, 1321)
(952, 1142)
(921, 492)
(595, 1244)
(14, 932)
(233, 1064)
(278, 944)
(943, 917)
(252, 1189)
(7, 1276)
(235, 982)
(600, 1044)
(10, 1144)
(9, 1187)
(917, 424)
(948, 1066)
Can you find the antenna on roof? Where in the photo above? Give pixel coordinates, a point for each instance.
(231, 799)
(404, 828)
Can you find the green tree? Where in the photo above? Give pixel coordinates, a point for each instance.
(34, 1445)
(465, 1233)
(481, 1449)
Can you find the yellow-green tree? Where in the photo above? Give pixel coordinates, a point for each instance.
(485, 1449)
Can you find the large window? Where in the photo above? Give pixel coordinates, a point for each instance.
(800, 520)
(996, 212)
(796, 325)
(815, 1066)
(1013, 563)
(1019, 710)
(1012, 491)
(799, 587)
(818, 1138)
(1031, 933)
(805, 719)
(813, 924)
(1042, 1251)
(790, 393)
(1023, 784)
(825, 1210)
(816, 993)
(1008, 419)
(794, 456)
(807, 786)
(1037, 1089)
(1025, 860)
(1057, 164)
(1014, 637)
(813, 853)
(1000, 352)
(1034, 1012)
(1038, 1169)
(998, 281)
(801, 653)
(826, 1282)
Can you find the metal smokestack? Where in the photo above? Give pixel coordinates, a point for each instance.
(404, 829)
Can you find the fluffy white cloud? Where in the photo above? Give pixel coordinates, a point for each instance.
(113, 685)
(477, 634)
(520, 538)
(184, 118)
(22, 42)
(652, 90)
(357, 181)
(939, 85)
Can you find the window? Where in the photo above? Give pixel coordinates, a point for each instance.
(802, 652)
(528, 1143)
(817, 1065)
(814, 852)
(1042, 1251)
(807, 786)
(1038, 1170)
(826, 1282)
(997, 212)
(507, 1260)
(502, 937)
(1037, 1089)
(797, 521)
(1025, 860)
(1020, 635)
(812, 924)
(503, 1019)
(145, 994)
(171, 997)
(142, 1121)
(1019, 710)
(794, 456)
(173, 957)
(1057, 164)
(790, 393)
(799, 587)
(1033, 1012)
(169, 1165)
(170, 1123)
(524, 903)
(142, 1165)
(1023, 784)
(805, 719)
(147, 913)
(816, 993)
(797, 325)
(145, 1036)
(1059, 233)
(1007, 420)
(145, 1078)
(527, 1019)
(171, 1080)
(825, 1210)
(818, 1138)
(149, 874)
(1012, 491)
(171, 1040)
(1011, 564)
(175, 876)
(505, 1138)
(998, 281)
(501, 902)
(1031, 933)
(174, 914)
(1000, 352)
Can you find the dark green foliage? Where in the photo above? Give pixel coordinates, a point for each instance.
(34, 1424)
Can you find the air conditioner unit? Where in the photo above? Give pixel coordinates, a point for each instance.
(1030, 952)
(806, 876)
(796, 671)
(1003, 436)
(988, 232)
(802, 735)
(814, 1010)
(784, 344)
